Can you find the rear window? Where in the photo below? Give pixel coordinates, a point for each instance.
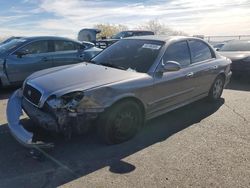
(61, 45)
(199, 51)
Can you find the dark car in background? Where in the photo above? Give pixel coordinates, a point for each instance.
(20, 57)
(123, 34)
(133, 80)
(239, 52)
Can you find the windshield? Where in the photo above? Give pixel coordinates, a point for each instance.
(132, 55)
(236, 46)
(11, 44)
(123, 34)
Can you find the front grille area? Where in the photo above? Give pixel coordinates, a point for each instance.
(32, 94)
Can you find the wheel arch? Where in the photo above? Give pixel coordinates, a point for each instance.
(222, 74)
(134, 99)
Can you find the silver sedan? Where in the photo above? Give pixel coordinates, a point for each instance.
(134, 80)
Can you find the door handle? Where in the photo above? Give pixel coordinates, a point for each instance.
(81, 56)
(190, 74)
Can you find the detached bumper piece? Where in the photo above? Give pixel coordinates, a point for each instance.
(228, 78)
(14, 111)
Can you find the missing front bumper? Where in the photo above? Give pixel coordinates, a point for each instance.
(14, 111)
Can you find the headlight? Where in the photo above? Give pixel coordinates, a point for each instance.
(76, 96)
(71, 100)
(55, 103)
(68, 101)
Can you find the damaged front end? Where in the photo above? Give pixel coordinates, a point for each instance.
(14, 112)
(64, 114)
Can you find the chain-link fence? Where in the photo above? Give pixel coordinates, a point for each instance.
(226, 38)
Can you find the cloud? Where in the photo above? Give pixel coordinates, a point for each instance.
(63, 17)
(193, 16)
(7, 19)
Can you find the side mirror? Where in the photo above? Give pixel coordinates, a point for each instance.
(171, 66)
(21, 53)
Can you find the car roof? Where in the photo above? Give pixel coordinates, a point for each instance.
(163, 38)
(47, 38)
(238, 41)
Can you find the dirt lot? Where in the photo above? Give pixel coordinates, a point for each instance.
(200, 145)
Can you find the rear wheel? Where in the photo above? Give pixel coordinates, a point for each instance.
(121, 122)
(216, 89)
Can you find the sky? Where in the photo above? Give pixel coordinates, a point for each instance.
(67, 17)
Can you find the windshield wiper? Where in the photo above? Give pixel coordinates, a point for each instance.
(113, 66)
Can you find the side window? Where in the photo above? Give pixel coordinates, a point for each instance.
(138, 34)
(80, 47)
(129, 34)
(199, 51)
(178, 52)
(37, 47)
(61, 45)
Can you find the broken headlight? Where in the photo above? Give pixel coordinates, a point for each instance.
(71, 100)
(68, 101)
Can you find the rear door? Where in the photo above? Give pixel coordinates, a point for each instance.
(67, 52)
(37, 57)
(203, 64)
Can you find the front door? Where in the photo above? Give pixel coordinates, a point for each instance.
(36, 56)
(173, 88)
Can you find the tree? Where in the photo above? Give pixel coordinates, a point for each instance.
(108, 30)
(159, 28)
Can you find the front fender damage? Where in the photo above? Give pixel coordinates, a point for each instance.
(72, 116)
(14, 112)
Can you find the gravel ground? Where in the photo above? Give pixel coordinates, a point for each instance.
(199, 145)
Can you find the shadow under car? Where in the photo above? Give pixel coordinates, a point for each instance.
(85, 154)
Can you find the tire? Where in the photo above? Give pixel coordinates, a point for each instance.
(121, 122)
(216, 89)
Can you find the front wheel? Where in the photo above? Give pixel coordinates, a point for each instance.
(216, 89)
(121, 122)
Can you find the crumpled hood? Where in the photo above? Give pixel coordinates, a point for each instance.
(234, 56)
(79, 77)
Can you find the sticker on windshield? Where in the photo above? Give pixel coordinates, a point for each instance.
(151, 46)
